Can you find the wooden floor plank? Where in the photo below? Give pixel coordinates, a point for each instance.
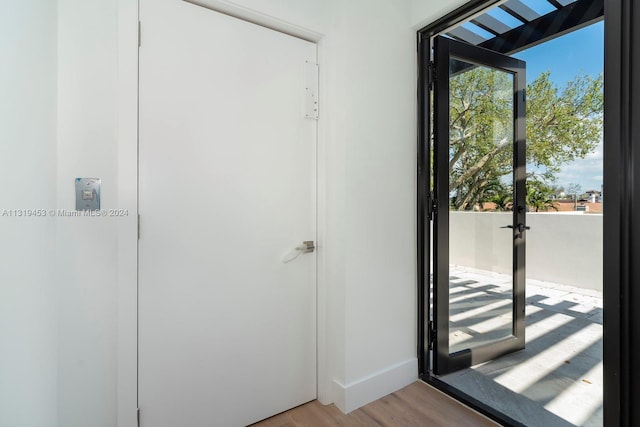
(416, 405)
(426, 398)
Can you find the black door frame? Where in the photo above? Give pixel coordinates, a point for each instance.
(622, 192)
(443, 360)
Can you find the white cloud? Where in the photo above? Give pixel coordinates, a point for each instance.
(597, 153)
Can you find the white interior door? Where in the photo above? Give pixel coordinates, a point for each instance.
(227, 331)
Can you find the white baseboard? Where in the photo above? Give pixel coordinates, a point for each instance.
(358, 393)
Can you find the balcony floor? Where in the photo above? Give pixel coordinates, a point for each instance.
(557, 379)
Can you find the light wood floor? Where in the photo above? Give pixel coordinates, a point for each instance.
(418, 405)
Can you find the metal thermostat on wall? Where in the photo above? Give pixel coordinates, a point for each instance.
(88, 194)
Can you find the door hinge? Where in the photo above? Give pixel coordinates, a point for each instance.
(311, 107)
(431, 334)
(139, 34)
(138, 416)
(431, 205)
(432, 75)
(138, 226)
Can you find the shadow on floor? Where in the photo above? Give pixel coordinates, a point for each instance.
(557, 379)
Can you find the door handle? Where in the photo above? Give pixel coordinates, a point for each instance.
(308, 247)
(521, 227)
(305, 248)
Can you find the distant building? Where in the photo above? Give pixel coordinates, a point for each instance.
(584, 205)
(594, 196)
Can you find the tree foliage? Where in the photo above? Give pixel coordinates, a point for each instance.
(540, 196)
(563, 124)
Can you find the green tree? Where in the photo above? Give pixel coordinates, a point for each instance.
(503, 201)
(563, 124)
(479, 130)
(540, 195)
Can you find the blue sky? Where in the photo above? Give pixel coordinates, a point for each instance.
(581, 51)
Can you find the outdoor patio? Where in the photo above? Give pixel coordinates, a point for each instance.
(557, 379)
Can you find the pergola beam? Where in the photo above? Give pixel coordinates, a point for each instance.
(551, 25)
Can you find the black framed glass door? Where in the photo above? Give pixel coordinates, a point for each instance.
(478, 307)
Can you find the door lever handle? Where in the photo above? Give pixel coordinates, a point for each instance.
(520, 227)
(308, 246)
(305, 248)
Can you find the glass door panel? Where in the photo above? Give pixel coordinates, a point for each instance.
(480, 195)
(479, 157)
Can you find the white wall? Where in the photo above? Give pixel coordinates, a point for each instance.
(367, 160)
(424, 12)
(367, 152)
(27, 181)
(367, 134)
(477, 240)
(561, 248)
(367, 139)
(379, 221)
(566, 249)
(87, 246)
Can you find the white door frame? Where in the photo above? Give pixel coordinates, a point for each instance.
(127, 145)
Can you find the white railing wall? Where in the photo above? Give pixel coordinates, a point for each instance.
(561, 248)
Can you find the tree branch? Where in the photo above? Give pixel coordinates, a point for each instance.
(479, 165)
